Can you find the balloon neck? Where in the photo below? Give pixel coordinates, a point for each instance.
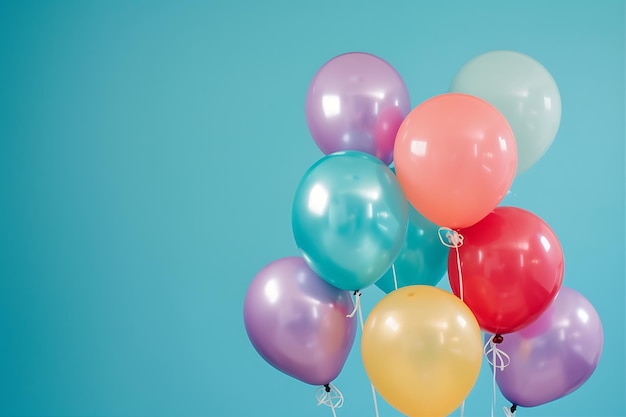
(513, 408)
(327, 387)
(497, 339)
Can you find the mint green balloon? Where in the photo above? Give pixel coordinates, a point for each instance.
(524, 92)
(349, 219)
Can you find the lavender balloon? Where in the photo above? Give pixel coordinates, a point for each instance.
(554, 355)
(357, 101)
(297, 321)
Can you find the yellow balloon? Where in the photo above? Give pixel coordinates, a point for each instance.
(422, 350)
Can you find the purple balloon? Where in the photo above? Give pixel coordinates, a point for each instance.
(357, 101)
(297, 321)
(554, 355)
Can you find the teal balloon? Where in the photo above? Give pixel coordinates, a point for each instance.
(423, 259)
(349, 219)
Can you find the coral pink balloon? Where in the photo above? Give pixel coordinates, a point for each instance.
(456, 158)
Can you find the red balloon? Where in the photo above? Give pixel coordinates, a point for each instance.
(511, 266)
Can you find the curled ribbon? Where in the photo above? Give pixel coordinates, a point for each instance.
(499, 360)
(330, 396)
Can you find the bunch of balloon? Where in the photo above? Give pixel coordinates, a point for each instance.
(356, 223)
(349, 221)
(509, 271)
(298, 323)
(455, 158)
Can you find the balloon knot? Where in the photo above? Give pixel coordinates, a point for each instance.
(495, 356)
(510, 412)
(454, 238)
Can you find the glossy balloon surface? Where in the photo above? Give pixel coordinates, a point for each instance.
(349, 219)
(297, 321)
(357, 101)
(455, 157)
(422, 350)
(554, 355)
(511, 267)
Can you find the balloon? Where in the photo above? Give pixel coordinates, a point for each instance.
(511, 266)
(554, 355)
(524, 91)
(423, 260)
(357, 101)
(297, 321)
(422, 350)
(455, 157)
(349, 219)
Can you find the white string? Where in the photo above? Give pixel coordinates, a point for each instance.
(361, 317)
(395, 279)
(357, 307)
(330, 396)
(455, 240)
(493, 385)
(371, 385)
(499, 360)
(357, 304)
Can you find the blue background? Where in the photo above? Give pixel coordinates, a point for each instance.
(149, 153)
